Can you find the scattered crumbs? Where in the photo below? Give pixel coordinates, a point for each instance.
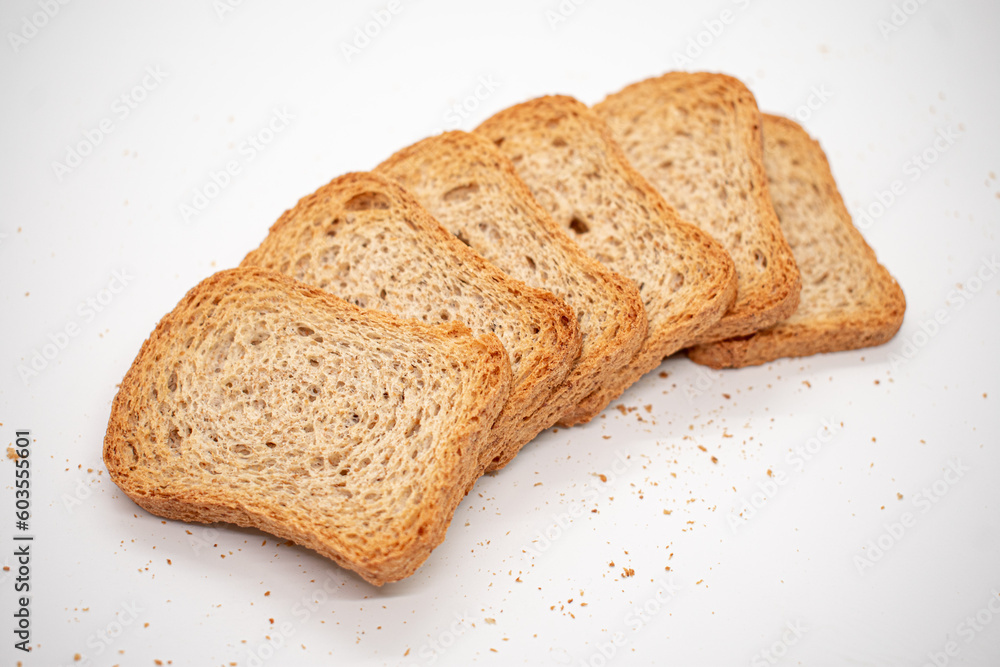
(271, 620)
(702, 448)
(603, 477)
(494, 650)
(726, 396)
(806, 383)
(12, 453)
(490, 621)
(715, 459)
(611, 564)
(899, 496)
(628, 572)
(698, 582)
(648, 408)
(266, 593)
(157, 662)
(407, 653)
(664, 374)
(769, 473)
(622, 409)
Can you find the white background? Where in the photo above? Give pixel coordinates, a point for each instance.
(910, 409)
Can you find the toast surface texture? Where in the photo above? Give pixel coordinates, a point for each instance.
(849, 300)
(565, 154)
(365, 239)
(263, 402)
(473, 190)
(697, 139)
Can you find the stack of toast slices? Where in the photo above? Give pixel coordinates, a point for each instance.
(401, 332)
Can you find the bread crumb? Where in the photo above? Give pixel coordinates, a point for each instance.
(12, 453)
(668, 512)
(726, 396)
(603, 477)
(769, 473)
(664, 374)
(628, 572)
(806, 383)
(899, 496)
(76, 657)
(266, 593)
(702, 448)
(490, 621)
(715, 460)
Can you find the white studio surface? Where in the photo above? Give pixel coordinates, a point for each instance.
(871, 543)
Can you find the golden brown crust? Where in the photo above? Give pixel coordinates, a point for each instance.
(648, 117)
(474, 191)
(565, 154)
(164, 472)
(366, 239)
(869, 306)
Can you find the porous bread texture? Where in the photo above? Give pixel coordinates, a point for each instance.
(848, 300)
(365, 239)
(472, 189)
(697, 139)
(565, 154)
(263, 402)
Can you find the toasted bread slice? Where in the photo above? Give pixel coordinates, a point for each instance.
(473, 191)
(365, 239)
(264, 402)
(696, 137)
(565, 154)
(849, 300)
